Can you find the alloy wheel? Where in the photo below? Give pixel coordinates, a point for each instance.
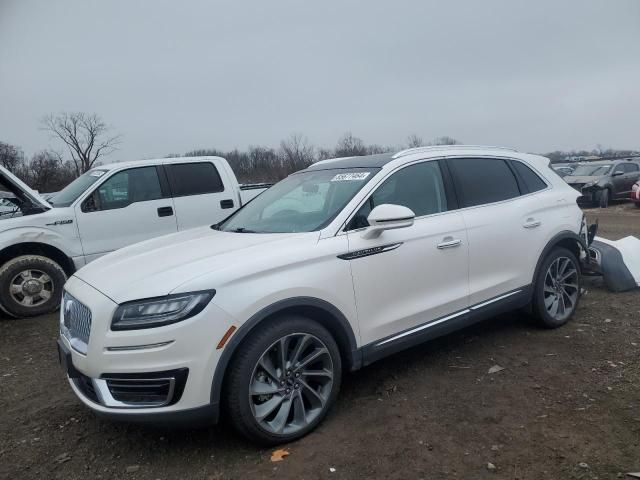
(291, 384)
(561, 288)
(31, 288)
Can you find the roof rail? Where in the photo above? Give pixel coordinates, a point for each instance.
(432, 148)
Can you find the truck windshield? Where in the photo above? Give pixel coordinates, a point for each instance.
(591, 170)
(302, 202)
(68, 194)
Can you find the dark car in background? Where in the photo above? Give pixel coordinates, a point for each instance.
(603, 181)
(564, 170)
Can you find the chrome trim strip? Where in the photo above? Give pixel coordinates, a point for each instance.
(480, 305)
(448, 317)
(366, 252)
(422, 327)
(139, 347)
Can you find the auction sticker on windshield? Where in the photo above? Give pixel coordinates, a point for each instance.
(346, 177)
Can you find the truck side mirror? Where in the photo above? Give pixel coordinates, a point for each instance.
(90, 204)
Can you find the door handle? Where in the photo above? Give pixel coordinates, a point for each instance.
(226, 203)
(165, 211)
(532, 223)
(449, 242)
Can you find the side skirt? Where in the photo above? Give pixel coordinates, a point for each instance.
(507, 302)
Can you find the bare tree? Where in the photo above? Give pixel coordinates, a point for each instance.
(11, 157)
(414, 141)
(296, 152)
(85, 136)
(350, 146)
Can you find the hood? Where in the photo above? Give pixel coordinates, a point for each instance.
(581, 179)
(20, 189)
(159, 266)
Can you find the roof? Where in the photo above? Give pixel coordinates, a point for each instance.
(435, 151)
(366, 161)
(153, 161)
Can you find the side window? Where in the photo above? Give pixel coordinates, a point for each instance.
(194, 179)
(483, 180)
(630, 167)
(620, 168)
(419, 187)
(124, 188)
(530, 178)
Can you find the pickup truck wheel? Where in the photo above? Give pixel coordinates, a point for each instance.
(557, 289)
(283, 380)
(31, 285)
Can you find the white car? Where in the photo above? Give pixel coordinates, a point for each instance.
(338, 265)
(42, 241)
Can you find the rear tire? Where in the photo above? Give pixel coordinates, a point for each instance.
(557, 289)
(31, 285)
(271, 404)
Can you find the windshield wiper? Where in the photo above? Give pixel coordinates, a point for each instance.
(242, 230)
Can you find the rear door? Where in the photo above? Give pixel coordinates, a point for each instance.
(202, 193)
(130, 206)
(506, 224)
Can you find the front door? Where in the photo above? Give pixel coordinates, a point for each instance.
(128, 207)
(411, 276)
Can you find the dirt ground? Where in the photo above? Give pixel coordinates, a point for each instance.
(566, 406)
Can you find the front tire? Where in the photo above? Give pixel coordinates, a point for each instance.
(31, 285)
(283, 380)
(557, 288)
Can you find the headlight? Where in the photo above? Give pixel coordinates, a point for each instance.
(159, 311)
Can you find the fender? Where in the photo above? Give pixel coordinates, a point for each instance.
(46, 236)
(555, 240)
(354, 353)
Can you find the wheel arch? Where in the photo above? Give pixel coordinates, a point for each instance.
(321, 311)
(566, 239)
(38, 248)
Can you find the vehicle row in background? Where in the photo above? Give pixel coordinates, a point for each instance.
(603, 181)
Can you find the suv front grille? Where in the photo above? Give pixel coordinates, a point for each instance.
(76, 322)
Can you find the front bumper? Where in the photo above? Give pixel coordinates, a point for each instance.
(158, 375)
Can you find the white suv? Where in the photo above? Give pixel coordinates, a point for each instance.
(336, 266)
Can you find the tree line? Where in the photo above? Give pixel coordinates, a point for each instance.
(86, 140)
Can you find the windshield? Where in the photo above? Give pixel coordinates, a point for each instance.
(591, 170)
(302, 202)
(68, 194)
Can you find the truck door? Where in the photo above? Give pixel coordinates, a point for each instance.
(130, 206)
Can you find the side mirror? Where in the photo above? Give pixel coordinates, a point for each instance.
(89, 205)
(617, 174)
(388, 217)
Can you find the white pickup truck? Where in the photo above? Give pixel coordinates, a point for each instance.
(107, 208)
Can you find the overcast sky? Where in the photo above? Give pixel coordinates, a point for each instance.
(173, 76)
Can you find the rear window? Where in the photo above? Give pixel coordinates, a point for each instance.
(531, 180)
(194, 179)
(483, 180)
